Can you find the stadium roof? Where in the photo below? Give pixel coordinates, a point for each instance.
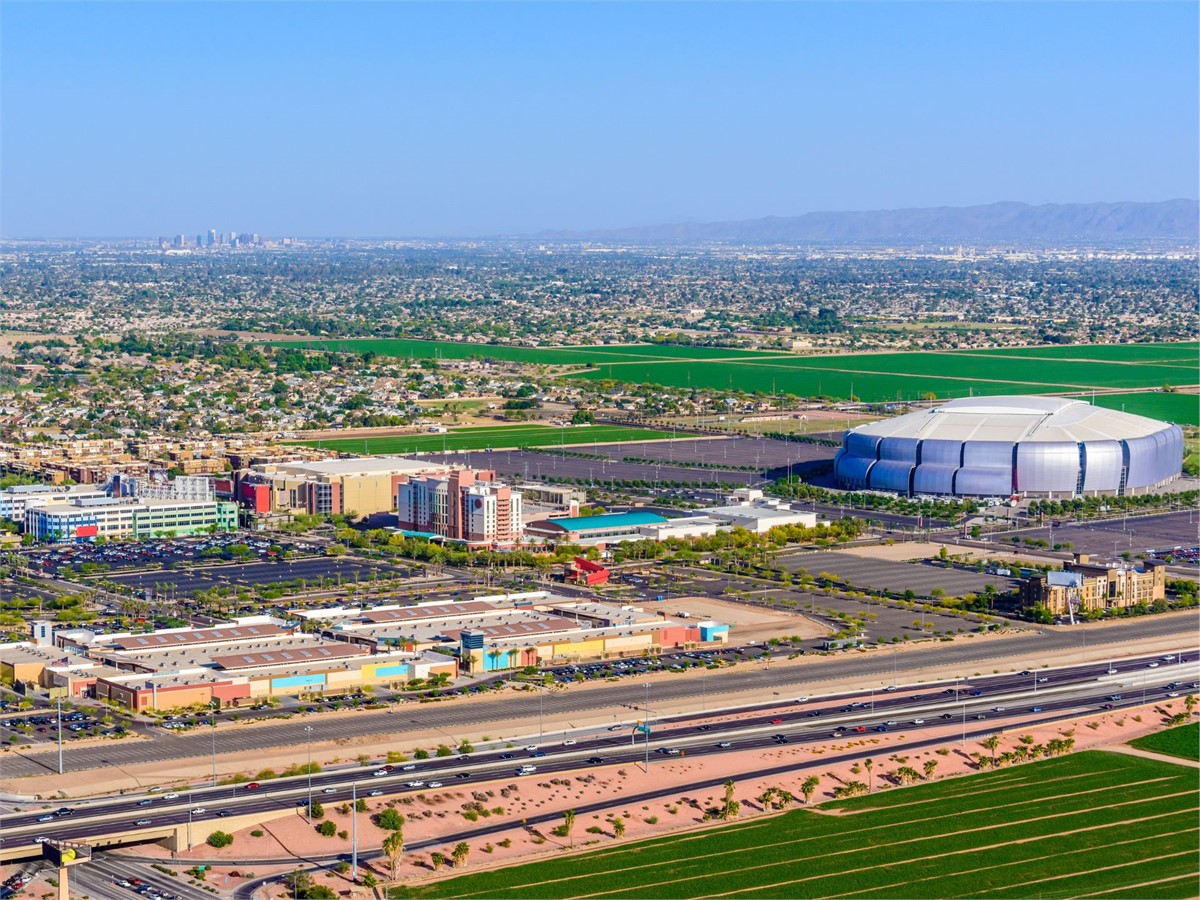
(1015, 419)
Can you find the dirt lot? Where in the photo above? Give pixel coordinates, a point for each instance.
(746, 623)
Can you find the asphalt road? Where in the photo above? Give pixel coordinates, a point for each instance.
(450, 717)
(1003, 702)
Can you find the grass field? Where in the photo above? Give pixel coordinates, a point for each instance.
(869, 376)
(1183, 741)
(488, 438)
(1088, 825)
(1182, 409)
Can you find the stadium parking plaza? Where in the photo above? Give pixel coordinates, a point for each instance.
(1090, 824)
(536, 466)
(878, 574)
(155, 552)
(1112, 537)
(341, 570)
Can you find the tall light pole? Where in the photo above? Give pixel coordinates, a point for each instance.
(354, 832)
(60, 752)
(189, 820)
(308, 734)
(213, 716)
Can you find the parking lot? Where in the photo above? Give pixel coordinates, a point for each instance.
(316, 571)
(1170, 533)
(62, 559)
(863, 573)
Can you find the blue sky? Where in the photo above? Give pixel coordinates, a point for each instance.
(424, 119)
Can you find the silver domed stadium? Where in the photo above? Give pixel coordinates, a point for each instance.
(1011, 446)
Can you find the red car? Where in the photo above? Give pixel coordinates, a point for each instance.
(253, 786)
(861, 729)
(777, 721)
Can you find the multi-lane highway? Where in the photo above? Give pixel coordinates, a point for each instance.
(979, 707)
(455, 716)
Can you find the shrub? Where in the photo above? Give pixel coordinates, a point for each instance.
(220, 839)
(327, 829)
(317, 811)
(391, 819)
(257, 832)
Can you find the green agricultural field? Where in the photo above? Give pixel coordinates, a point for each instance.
(488, 438)
(1089, 825)
(549, 356)
(1183, 741)
(1182, 409)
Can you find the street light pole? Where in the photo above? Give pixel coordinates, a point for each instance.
(214, 740)
(308, 733)
(60, 750)
(354, 832)
(189, 820)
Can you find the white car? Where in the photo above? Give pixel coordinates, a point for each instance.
(532, 748)
(198, 811)
(918, 721)
(568, 743)
(375, 794)
(171, 796)
(435, 784)
(379, 772)
(1152, 665)
(801, 699)
(329, 790)
(409, 768)
(414, 784)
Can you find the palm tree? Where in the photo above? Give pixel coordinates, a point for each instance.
(809, 788)
(869, 764)
(393, 849)
(930, 765)
(1189, 703)
(460, 853)
(618, 828)
(437, 859)
(569, 824)
(991, 742)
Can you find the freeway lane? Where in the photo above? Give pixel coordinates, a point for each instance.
(874, 666)
(1004, 702)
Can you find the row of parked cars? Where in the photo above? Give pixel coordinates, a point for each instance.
(149, 891)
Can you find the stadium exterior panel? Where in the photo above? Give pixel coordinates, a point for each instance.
(1006, 446)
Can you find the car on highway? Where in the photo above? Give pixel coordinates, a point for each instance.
(503, 756)
(777, 721)
(568, 743)
(595, 760)
(890, 688)
(976, 693)
(46, 818)
(435, 784)
(329, 790)
(881, 728)
(145, 802)
(41, 838)
(1026, 672)
(999, 708)
(1108, 706)
(463, 775)
(1111, 672)
(224, 813)
(532, 748)
(918, 721)
(378, 772)
(1172, 693)
(375, 793)
(860, 729)
(526, 770)
(947, 715)
(704, 728)
(414, 784)
(1036, 709)
(780, 739)
(253, 786)
(171, 796)
(64, 811)
(1114, 696)
(981, 716)
(801, 699)
(154, 790)
(1152, 665)
(725, 745)
(198, 811)
(409, 768)
(1042, 679)
(138, 822)
(891, 723)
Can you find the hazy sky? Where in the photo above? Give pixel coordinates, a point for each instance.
(432, 119)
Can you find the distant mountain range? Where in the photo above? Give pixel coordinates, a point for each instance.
(995, 223)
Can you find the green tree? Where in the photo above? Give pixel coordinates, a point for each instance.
(460, 853)
(618, 828)
(393, 849)
(219, 839)
(437, 860)
(569, 825)
(809, 787)
(991, 742)
(930, 765)
(869, 764)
